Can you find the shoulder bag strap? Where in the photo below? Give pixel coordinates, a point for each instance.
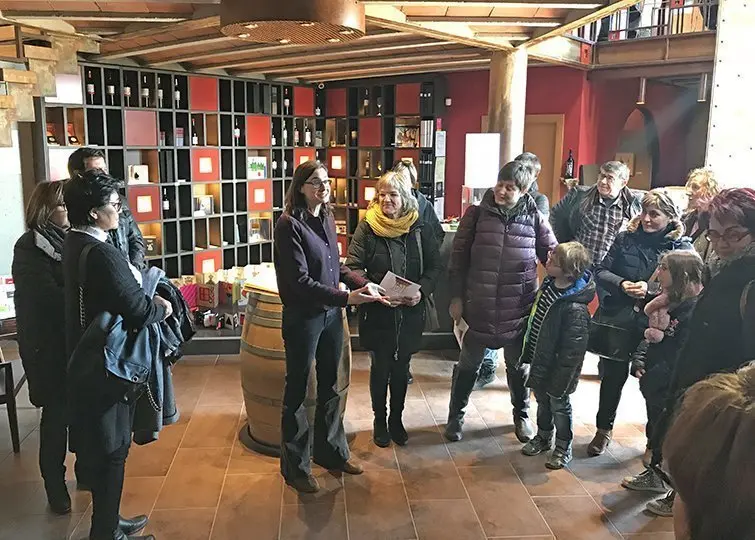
(82, 279)
(418, 238)
(743, 300)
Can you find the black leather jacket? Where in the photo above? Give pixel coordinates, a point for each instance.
(128, 238)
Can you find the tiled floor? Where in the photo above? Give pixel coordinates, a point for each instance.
(197, 483)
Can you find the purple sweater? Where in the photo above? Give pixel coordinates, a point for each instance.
(307, 266)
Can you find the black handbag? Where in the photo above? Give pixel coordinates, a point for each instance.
(611, 341)
(431, 312)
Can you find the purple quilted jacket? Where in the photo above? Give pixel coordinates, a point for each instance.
(493, 268)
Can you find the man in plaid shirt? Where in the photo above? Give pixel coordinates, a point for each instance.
(594, 215)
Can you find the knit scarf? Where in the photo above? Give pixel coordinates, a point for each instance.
(717, 263)
(49, 239)
(387, 227)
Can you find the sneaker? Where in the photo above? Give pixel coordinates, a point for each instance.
(647, 480)
(523, 429)
(558, 459)
(484, 378)
(537, 445)
(599, 443)
(663, 507)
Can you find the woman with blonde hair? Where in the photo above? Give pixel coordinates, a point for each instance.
(393, 238)
(701, 188)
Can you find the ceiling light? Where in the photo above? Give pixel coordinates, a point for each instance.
(702, 90)
(300, 22)
(643, 91)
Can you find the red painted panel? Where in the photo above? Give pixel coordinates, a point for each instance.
(214, 255)
(304, 101)
(335, 102)
(334, 156)
(303, 154)
(407, 98)
(258, 131)
(585, 53)
(366, 192)
(371, 132)
(404, 153)
(144, 202)
(205, 164)
(141, 128)
(260, 196)
(203, 94)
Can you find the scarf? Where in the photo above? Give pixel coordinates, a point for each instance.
(387, 227)
(49, 238)
(717, 263)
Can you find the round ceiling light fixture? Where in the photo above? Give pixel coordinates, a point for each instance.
(300, 22)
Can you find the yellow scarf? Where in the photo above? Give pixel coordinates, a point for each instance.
(388, 227)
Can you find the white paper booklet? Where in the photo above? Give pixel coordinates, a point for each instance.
(397, 287)
(460, 328)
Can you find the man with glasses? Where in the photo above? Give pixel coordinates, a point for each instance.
(594, 215)
(127, 237)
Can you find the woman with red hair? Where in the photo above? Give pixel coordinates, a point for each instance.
(722, 327)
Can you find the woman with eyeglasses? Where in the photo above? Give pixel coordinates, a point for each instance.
(101, 420)
(308, 271)
(722, 327)
(38, 277)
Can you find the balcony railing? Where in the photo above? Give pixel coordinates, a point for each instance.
(653, 18)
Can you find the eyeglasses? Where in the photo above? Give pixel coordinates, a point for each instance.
(117, 205)
(730, 236)
(608, 178)
(318, 184)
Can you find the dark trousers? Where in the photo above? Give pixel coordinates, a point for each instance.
(388, 369)
(471, 358)
(555, 413)
(53, 444)
(615, 375)
(312, 339)
(107, 486)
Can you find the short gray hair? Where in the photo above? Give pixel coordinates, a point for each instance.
(396, 181)
(617, 168)
(532, 159)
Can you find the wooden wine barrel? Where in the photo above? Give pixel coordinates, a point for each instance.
(263, 371)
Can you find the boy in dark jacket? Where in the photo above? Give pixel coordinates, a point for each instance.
(554, 346)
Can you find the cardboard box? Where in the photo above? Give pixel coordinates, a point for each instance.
(208, 295)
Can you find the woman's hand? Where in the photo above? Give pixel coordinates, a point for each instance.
(412, 300)
(160, 301)
(456, 309)
(635, 290)
(367, 294)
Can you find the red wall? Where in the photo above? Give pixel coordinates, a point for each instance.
(594, 116)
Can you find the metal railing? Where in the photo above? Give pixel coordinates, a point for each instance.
(653, 18)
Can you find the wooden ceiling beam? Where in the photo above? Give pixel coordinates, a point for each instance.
(576, 19)
(550, 4)
(294, 70)
(161, 47)
(397, 68)
(487, 21)
(99, 16)
(190, 24)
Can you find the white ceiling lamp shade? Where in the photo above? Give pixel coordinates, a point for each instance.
(299, 22)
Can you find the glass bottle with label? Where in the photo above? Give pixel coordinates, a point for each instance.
(127, 95)
(90, 87)
(166, 201)
(159, 94)
(307, 134)
(569, 166)
(145, 91)
(236, 131)
(177, 95)
(286, 101)
(284, 135)
(110, 89)
(194, 135)
(296, 135)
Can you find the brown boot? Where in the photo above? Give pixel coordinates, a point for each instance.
(599, 443)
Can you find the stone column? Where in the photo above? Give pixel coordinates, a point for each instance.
(506, 100)
(730, 151)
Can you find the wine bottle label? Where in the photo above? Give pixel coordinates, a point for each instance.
(159, 93)
(237, 133)
(166, 205)
(307, 137)
(145, 92)
(110, 89)
(90, 89)
(127, 91)
(317, 111)
(273, 140)
(177, 95)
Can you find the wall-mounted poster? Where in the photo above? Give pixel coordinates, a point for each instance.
(627, 158)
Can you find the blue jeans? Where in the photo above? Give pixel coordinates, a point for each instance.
(555, 412)
(490, 360)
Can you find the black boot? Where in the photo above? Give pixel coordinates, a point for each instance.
(133, 525)
(58, 497)
(380, 433)
(461, 387)
(396, 429)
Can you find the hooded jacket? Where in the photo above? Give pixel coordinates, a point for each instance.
(493, 267)
(557, 355)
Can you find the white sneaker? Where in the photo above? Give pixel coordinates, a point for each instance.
(647, 480)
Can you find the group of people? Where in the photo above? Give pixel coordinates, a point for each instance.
(81, 282)
(673, 309)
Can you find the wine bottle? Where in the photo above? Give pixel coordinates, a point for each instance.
(275, 164)
(569, 166)
(367, 167)
(159, 94)
(110, 89)
(284, 135)
(127, 95)
(307, 134)
(275, 101)
(145, 91)
(166, 201)
(296, 135)
(366, 103)
(90, 87)
(194, 136)
(177, 95)
(236, 131)
(273, 140)
(286, 102)
(318, 111)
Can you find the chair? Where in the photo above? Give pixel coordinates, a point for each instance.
(9, 390)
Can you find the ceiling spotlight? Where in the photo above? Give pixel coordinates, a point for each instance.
(307, 24)
(252, 26)
(702, 90)
(346, 32)
(642, 92)
(284, 41)
(244, 36)
(333, 40)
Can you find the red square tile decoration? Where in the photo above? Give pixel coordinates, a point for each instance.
(208, 261)
(205, 164)
(371, 132)
(343, 244)
(144, 202)
(141, 128)
(303, 154)
(203, 94)
(585, 53)
(407, 153)
(407, 98)
(304, 101)
(259, 196)
(336, 162)
(335, 102)
(258, 131)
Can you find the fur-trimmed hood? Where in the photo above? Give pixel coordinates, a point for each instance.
(676, 228)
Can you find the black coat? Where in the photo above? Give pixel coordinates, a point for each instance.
(541, 200)
(633, 257)
(38, 297)
(127, 238)
(373, 256)
(428, 216)
(559, 352)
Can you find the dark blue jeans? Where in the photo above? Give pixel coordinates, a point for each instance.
(312, 340)
(555, 412)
